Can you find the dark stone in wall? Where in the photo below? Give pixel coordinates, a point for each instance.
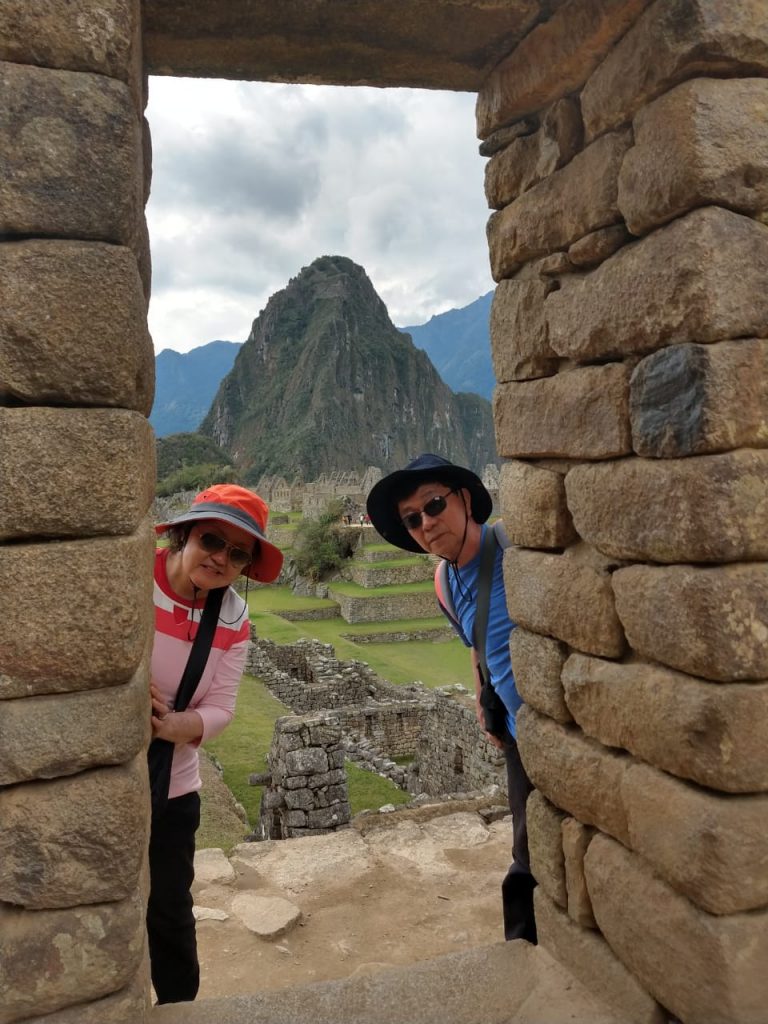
(667, 401)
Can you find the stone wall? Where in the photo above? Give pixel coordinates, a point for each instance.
(366, 575)
(388, 608)
(76, 483)
(629, 182)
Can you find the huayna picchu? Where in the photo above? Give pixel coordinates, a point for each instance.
(326, 382)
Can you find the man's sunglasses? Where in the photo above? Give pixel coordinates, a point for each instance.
(213, 544)
(434, 507)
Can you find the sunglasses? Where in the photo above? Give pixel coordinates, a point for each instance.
(434, 507)
(212, 543)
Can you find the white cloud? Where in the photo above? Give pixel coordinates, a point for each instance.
(251, 182)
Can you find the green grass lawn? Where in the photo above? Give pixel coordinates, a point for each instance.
(278, 599)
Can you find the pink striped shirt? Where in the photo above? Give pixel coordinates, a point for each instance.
(176, 623)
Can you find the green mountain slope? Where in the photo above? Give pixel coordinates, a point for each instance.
(326, 382)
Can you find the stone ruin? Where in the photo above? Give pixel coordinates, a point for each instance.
(627, 174)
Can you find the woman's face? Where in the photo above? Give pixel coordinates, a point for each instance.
(207, 569)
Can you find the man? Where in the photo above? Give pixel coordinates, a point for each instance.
(437, 507)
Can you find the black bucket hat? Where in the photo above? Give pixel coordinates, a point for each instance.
(384, 496)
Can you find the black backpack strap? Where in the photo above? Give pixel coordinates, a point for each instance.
(484, 580)
(201, 648)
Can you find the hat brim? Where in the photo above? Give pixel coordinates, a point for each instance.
(382, 506)
(266, 568)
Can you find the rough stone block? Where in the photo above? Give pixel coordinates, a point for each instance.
(597, 246)
(93, 35)
(578, 414)
(699, 279)
(307, 761)
(674, 40)
(46, 737)
(558, 596)
(692, 399)
(701, 144)
(545, 846)
(573, 772)
(73, 327)
(532, 157)
(519, 346)
(579, 198)
(70, 155)
(503, 137)
(591, 960)
(699, 730)
(718, 974)
(533, 506)
(58, 635)
(709, 622)
(48, 453)
(537, 662)
(75, 840)
(555, 58)
(53, 959)
(712, 849)
(129, 1004)
(575, 840)
(710, 509)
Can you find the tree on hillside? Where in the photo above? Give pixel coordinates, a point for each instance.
(321, 545)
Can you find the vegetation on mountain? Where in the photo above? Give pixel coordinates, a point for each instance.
(190, 462)
(326, 382)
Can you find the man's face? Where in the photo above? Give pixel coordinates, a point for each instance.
(442, 533)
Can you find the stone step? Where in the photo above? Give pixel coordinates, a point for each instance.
(506, 983)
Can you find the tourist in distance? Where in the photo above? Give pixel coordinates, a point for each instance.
(437, 507)
(201, 637)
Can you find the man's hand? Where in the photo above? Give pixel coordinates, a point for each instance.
(493, 740)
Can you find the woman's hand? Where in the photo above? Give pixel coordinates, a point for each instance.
(174, 726)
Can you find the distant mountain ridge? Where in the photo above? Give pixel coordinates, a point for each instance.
(186, 382)
(459, 344)
(326, 382)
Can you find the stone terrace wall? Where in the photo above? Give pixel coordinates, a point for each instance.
(629, 333)
(390, 608)
(76, 483)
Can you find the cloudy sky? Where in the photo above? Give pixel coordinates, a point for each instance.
(252, 182)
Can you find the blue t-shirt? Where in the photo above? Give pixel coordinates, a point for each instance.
(499, 627)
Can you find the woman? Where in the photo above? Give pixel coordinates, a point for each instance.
(221, 536)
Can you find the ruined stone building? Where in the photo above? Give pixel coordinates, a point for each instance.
(628, 177)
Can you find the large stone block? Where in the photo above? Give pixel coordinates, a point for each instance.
(699, 730)
(53, 959)
(591, 960)
(698, 279)
(73, 326)
(537, 662)
(75, 840)
(545, 846)
(533, 506)
(709, 622)
(578, 414)
(573, 772)
(70, 155)
(131, 1003)
(554, 59)
(533, 157)
(48, 453)
(575, 840)
(692, 399)
(712, 849)
(705, 969)
(579, 198)
(78, 614)
(700, 144)
(559, 596)
(519, 345)
(709, 509)
(597, 246)
(674, 40)
(89, 35)
(46, 737)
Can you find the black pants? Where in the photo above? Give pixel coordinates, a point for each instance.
(170, 923)
(517, 888)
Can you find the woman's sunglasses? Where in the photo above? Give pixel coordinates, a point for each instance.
(213, 544)
(434, 507)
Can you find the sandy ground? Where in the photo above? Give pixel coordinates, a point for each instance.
(394, 889)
